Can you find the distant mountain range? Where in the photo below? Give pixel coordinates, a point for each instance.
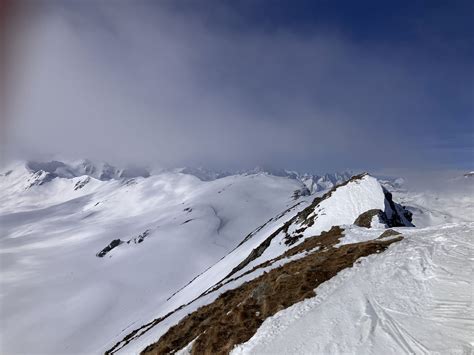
(46, 171)
(97, 259)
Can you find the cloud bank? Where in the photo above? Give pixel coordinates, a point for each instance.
(148, 82)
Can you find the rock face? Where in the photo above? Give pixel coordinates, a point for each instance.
(345, 203)
(394, 215)
(116, 242)
(113, 244)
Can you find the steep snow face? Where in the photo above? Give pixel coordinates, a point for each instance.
(57, 296)
(347, 203)
(416, 297)
(340, 206)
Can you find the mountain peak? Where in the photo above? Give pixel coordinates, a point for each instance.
(100, 171)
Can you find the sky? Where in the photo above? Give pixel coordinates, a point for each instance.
(307, 85)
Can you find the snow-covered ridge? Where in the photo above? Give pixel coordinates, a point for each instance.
(339, 206)
(313, 182)
(100, 171)
(167, 244)
(174, 226)
(414, 298)
(342, 205)
(40, 173)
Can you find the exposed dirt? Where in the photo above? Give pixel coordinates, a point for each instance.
(258, 251)
(302, 218)
(365, 219)
(273, 219)
(320, 250)
(388, 233)
(306, 217)
(235, 316)
(326, 239)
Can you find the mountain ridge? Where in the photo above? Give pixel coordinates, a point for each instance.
(44, 172)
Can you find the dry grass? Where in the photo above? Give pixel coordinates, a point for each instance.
(235, 316)
(302, 217)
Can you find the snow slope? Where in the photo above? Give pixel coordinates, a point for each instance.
(57, 296)
(440, 206)
(313, 182)
(172, 242)
(340, 206)
(414, 298)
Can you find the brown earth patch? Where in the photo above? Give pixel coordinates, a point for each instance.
(331, 237)
(235, 316)
(389, 233)
(302, 218)
(365, 219)
(325, 240)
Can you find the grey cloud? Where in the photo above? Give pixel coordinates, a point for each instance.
(144, 83)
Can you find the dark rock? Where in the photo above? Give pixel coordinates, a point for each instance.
(113, 244)
(80, 184)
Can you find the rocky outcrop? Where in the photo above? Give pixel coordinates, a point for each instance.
(113, 244)
(116, 242)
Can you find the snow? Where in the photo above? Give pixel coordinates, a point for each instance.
(439, 207)
(416, 297)
(187, 349)
(347, 203)
(344, 205)
(53, 287)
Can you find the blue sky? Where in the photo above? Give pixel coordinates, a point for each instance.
(307, 85)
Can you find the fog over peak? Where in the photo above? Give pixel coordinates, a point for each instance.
(167, 84)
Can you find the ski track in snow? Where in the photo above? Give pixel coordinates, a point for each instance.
(416, 297)
(57, 297)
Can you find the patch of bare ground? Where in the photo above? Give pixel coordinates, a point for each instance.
(305, 218)
(365, 219)
(235, 316)
(389, 233)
